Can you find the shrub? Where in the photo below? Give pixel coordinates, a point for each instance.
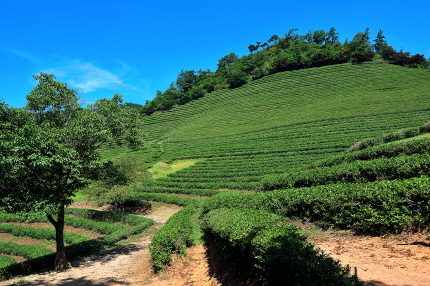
(6, 261)
(264, 248)
(175, 236)
(378, 207)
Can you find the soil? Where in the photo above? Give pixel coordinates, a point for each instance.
(380, 261)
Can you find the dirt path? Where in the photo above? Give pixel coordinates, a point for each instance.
(382, 261)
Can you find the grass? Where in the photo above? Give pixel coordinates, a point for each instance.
(161, 169)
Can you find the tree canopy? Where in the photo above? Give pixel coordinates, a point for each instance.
(49, 149)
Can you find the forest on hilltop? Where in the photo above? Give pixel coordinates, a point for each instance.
(277, 54)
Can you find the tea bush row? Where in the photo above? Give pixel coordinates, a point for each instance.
(27, 251)
(204, 179)
(198, 192)
(377, 207)
(267, 250)
(401, 167)
(178, 233)
(6, 261)
(97, 226)
(419, 145)
(112, 217)
(40, 233)
(208, 185)
(390, 137)
(176, 200)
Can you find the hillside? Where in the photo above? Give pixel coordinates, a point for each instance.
(285, 121)
(279, 127)
(295, 97)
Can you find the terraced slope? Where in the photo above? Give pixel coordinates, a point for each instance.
(286, 121)
(295, 97)
(263, 135)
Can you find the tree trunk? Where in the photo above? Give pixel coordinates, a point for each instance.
(61, 262)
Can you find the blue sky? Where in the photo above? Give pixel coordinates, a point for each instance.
(138, 47)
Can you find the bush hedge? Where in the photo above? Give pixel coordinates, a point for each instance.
(377, 207)
(401, 167)
(178, 233)
(418, 145)
(6, 261)
(266, 249)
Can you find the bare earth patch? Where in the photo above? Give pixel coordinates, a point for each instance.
(391, 260)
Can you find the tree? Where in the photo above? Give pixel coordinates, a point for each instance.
(361, 47)
(252, 48)
(186, 80)
(273, 39)
(225, 62)
(332, 36)
(49, 149)
(380, 43)
(319, 37)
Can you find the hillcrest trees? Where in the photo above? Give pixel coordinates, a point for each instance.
(49, 149)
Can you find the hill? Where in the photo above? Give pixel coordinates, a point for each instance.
(279, 127)
(287, 120)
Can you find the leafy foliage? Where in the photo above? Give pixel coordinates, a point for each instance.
(175, 236)
(263, 247)
(40, 233)
(378, 207)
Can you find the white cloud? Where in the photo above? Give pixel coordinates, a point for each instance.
(91, 78)
(33, 59)
(86, 77)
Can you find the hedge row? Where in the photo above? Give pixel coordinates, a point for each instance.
(402, 167)
(176, 200)
(265, 249)
(198, 192)
(40, 233)
(419, 145)
(377, 207)
(97, 226)
(6, 261)
(390, 137)
(27, 251)
(175, 236)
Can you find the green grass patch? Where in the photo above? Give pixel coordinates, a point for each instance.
(161, 169)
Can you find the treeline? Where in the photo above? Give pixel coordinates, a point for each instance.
(277, 54)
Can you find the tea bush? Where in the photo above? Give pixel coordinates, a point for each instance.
(377, 207)
(40, 233)
(6, 261)
(175, 236)
(401, 167)
(263, 247)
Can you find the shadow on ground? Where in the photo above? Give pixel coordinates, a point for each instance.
(83, 281)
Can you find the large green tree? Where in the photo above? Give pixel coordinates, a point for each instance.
(49, 149)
